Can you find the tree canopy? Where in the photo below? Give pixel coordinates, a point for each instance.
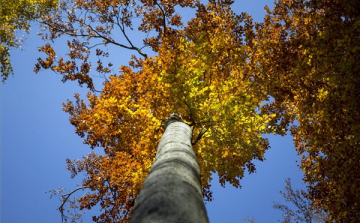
(16, 16)
(232, 81)
(199, 71)
(308, 53)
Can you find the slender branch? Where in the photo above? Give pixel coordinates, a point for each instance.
(164, 16)
(199, 136)
(210, 121)
(98, 44)
(65, 198)
(73, 33)
(122, 28)
(108, 40)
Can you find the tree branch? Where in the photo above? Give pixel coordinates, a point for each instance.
(199, 136)
(65, 198)
(164, 16)
(122, 28)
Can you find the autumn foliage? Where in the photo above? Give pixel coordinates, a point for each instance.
(308, 51)
(15, 17)
(232, 81)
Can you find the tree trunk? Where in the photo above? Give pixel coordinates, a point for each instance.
(172, 190)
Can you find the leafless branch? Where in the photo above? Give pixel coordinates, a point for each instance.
(122, 28)
(65, 199)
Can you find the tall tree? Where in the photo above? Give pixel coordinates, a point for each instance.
(172, 190)
(16, 16)
(200, 71)
(308, 53)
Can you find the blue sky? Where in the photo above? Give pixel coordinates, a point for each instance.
(36, 138)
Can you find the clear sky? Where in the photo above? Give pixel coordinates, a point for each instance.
(36, 138)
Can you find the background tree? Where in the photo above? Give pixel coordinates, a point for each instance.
(16, 16)
(308, 52)
(304, 212)
(200, 71)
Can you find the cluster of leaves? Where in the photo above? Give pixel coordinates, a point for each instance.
(15, 16)
(308, 51)
(206, 69)
(120, 121)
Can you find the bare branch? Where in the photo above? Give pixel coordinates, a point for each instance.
(122, 28)
(64, 199)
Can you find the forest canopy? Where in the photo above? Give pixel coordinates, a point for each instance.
(231, 79)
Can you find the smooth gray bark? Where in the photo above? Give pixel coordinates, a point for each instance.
(172, 191)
